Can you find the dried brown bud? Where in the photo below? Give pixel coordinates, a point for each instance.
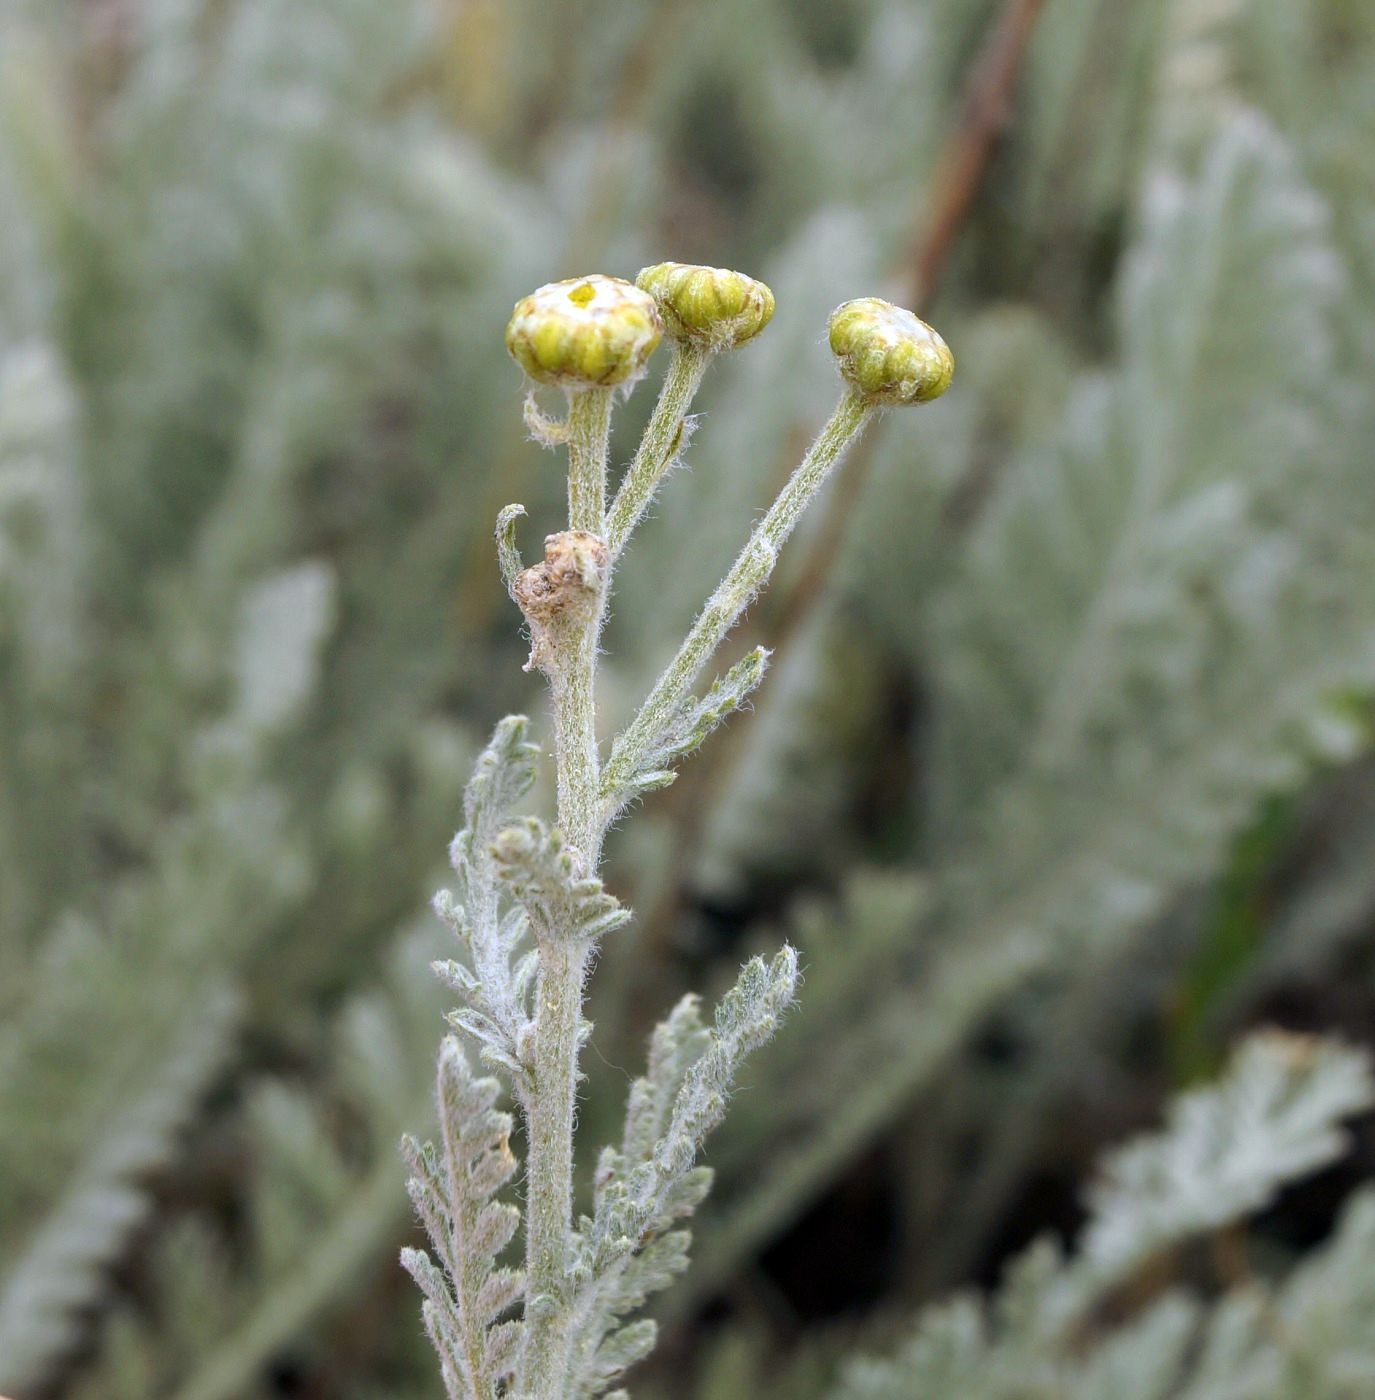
(563, 590)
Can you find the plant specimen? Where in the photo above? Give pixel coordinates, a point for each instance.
(1128, 662)
(529, 906)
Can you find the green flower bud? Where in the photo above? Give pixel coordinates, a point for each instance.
(710, 306)
(585, 332)
(888, 354)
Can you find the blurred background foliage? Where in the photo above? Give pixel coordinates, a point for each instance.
(1063, 776)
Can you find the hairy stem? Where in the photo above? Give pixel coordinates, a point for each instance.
(747, 576)
(660, 444)
(589, 429)
(572, 682)
(563, 958)
(551, 1110)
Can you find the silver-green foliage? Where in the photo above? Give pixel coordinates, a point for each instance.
(513, 878)
(172, 365)
(1152, 625)
(1226, 1150)
(452, 1188)
(320, 1207)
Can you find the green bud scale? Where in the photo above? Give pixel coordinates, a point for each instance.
(708, 306)
(888, 354)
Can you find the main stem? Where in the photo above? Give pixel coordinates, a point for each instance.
(563, 958)
(549, 1190)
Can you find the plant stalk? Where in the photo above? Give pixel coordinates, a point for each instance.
(662, 439)
(551, 1111)
(589, 433)
(552, 1100)
(737, 590)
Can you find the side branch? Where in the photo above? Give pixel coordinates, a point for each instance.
(664, 437)
(747, 576)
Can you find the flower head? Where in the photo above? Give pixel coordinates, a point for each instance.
(890, 355)
(585, 332)
(710, 306)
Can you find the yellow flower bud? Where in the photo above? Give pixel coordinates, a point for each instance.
(890, 355)
(710, 306)
(585, 332)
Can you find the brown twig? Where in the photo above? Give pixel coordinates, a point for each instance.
(986, 114)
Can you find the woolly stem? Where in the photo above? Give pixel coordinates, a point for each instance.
(589, 431)
(552, 1099)
(551, 1111)
(747, 576)
(572, 681)
(660, 444)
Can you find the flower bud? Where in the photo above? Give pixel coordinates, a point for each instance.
(710, 306)
(585, 332)
(890, 355)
